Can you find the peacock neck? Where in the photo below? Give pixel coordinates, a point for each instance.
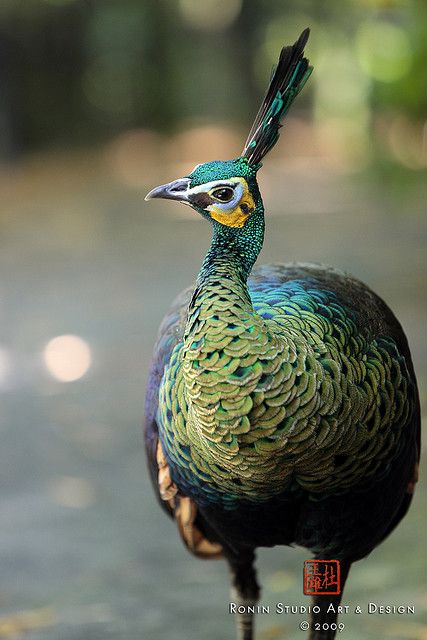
(239, 248)
(220, 378)
(222, 281)
(233, 252)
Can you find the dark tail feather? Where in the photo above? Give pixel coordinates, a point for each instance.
(289, 77)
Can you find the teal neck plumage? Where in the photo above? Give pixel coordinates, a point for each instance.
(225, 270)
(239, 248)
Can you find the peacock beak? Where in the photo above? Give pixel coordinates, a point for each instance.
(176, 190)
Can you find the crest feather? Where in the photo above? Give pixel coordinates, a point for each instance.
(288, 78)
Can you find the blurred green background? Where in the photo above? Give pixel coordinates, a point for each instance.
(100, 100)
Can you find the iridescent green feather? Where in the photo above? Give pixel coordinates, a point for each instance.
(288, 393)
(288, 79)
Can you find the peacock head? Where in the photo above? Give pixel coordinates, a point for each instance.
(226, 192)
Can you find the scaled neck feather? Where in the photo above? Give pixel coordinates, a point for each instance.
(221, 290)
(224, 343)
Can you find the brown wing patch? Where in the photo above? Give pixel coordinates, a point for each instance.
(185, 512)
(167, 488)
(194, 540)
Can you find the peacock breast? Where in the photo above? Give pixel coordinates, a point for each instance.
(292, 397)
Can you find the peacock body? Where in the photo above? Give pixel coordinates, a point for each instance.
(282, 405)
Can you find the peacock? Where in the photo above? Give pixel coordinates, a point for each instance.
(282, 405)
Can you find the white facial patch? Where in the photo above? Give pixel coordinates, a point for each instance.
(210, 187)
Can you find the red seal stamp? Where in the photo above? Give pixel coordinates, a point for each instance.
(322, 577)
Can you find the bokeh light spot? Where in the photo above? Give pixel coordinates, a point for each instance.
(67, 357)
(384, 51)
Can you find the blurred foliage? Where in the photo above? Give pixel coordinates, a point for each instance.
(82, 71)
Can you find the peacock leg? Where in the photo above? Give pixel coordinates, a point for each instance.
(320, 624)
(245, 592)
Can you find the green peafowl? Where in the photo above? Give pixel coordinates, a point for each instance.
(282, 406)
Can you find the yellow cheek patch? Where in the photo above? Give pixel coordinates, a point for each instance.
(235, 217)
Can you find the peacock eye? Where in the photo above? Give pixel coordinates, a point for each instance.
(223, 194)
